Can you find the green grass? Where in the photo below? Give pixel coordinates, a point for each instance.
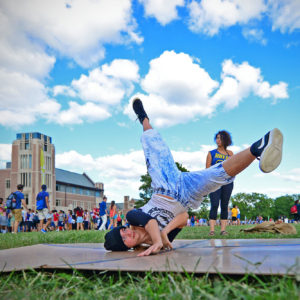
(200, 232)
(73, 284)
(78, 285)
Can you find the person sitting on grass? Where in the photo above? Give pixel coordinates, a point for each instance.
(174, 192)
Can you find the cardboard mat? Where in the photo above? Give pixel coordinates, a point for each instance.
(258, 256)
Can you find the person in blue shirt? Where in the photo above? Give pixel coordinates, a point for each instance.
(17, 212)
(103, 213)
(222, 195)
(43, 208)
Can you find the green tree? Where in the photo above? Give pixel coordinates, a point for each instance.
(283, 204)
(253, 205)
(145, 188)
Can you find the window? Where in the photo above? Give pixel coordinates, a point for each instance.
(97, 194)
(27, 146)
(45, 147)
(30, 161)
(26, 199)
(26, 179)
(69, 189)
(74, 204)
(58, 202)
(89, 206)
(73, 190)
(7, 183)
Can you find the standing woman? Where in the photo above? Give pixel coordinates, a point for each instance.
(223, 140)
(113, 215)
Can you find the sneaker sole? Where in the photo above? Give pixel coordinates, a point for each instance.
(272, 154)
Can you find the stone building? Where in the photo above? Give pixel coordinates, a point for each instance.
(33, 164)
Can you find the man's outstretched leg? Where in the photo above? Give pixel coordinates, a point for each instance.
(268, 150)
(141, 114)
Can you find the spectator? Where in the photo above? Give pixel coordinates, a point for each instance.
(43, 208)
(35, 221)
(61, 220)
(3, 218)
(69, 220)
(234, 213)
(86, 218)
(79, 218)
(103, 213)
(55, 219)
(113, 215)
(222, 195)
(17, 212)
(119, 219)
(238, 215)
(95, 217)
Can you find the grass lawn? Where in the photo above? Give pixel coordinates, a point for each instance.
(73, 284)
(64, 237)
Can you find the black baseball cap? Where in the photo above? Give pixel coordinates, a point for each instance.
(114, 241)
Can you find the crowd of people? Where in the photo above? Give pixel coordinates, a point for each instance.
(24, 219)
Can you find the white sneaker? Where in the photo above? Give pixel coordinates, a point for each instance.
(272, 153)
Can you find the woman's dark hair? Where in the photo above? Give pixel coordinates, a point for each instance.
(225, 138)
(112, 204)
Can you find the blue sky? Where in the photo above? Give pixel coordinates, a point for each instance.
(70, 69)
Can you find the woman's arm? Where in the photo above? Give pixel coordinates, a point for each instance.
(178, 222)
(208, 160)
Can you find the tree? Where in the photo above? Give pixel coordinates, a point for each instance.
(283, 204)
(146, 190)
(253, 205)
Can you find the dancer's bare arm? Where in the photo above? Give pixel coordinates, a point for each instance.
(178, 222)
(154, 232)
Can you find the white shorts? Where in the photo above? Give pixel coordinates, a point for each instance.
(44, 214)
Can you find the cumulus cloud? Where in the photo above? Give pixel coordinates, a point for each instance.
(164, 11)
(285, 15)
(254, 35)
(76, 29)
(104, 87)
(31, 30)
(239, 80)
(177, 83)
(209, 16)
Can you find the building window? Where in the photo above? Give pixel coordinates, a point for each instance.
(58, 202)
(7, 183)
(89, 206)
(26, 179)
(26, 199)
(74, 204)
(97, 194)
(27, 145)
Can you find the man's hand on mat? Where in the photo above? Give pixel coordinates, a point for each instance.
(155, 248)
(164, 237)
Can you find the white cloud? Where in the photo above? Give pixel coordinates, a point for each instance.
(76, 29)
(239, 80)
(285, 15)
(164, 11)
(77, 114)
(254, 35)
(5, 154)
(179, 89)
(108, 84)
(209, 16)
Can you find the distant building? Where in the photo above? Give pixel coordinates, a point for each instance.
(33, 164)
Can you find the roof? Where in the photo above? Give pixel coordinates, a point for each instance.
(73, 178)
